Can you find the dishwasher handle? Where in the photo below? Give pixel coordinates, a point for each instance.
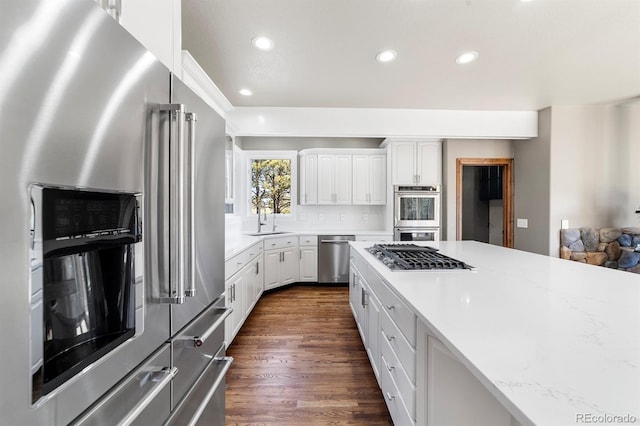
(335, 241)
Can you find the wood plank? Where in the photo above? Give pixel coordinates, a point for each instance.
(299, 360)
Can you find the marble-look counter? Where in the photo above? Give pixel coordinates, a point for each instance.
(549, 338)
(235, 243)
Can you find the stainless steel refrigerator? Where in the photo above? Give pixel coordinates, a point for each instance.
(89, 119)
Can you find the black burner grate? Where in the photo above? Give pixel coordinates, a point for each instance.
(413, 257)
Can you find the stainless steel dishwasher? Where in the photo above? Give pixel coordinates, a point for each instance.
(333, 258)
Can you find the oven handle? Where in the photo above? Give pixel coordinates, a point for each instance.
(335, 241)
(169, 374)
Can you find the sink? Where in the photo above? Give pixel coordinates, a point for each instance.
(259, 234)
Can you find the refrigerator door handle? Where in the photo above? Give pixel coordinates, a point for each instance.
(179, 242)
(191, 119)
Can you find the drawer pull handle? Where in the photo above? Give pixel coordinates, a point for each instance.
(390, 338)
(390, 397)
(390, 307)
(390, 367)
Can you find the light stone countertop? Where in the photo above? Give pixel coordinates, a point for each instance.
(235, 243)
(549, 338)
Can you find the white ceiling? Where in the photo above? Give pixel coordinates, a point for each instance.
(532, 54)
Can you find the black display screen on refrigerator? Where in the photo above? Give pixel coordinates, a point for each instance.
(78, 214)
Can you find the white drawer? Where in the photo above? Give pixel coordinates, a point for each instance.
(308, 240)
(400, 346)
(404, 383)
(280, 242)
(254, 251)
(233, 265)
(393, 398)
(399, 313)
(240, 260)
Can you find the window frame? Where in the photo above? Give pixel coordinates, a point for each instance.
(251, 155)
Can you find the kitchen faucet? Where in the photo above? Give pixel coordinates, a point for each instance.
(260, 223)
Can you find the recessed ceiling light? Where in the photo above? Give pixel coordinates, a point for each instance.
(386, 56)
(245, 92)
(467, 57)
(262, 43)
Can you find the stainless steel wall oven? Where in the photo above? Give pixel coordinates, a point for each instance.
(82, 280)
(417, 206)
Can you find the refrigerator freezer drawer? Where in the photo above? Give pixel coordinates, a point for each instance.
(142, 398)
(204, 403)
(195, 347)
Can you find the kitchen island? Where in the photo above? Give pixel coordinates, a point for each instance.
(522, 339)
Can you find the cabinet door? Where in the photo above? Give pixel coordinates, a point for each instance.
(403, 160)
(258, 278)
(429, 163)
(361, 179)
(325, 179)
(309, 179)
(289, 266)
(308, 270)
(342, 179)
(454, 395)
(377, 179)
(228, 322)
(373, 332)
(153, 23)
(238, 292)
(271, 269)
(353, 290)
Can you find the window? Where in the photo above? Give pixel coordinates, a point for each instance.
(272, 182)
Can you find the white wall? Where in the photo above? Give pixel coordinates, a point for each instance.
(580, 166)
(624, 175)
(453, 149)
(531, 188)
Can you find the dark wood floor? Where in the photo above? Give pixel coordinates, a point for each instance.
(299, 360)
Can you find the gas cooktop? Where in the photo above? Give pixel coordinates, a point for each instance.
(410, 257)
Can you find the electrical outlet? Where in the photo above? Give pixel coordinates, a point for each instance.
(321, 217)
(341, 217)
(522, 223)
(365, 217)
(564, 224)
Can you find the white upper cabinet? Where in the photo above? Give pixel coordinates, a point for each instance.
(308, 169)
(334, 179)
(343, 176)
(156, 24)
(416, 162)
(369, 179)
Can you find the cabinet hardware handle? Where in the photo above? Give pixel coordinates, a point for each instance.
(257, 268)
(390, 367)
(300, 254)
(390, 338)
(390, 397)
(390, 307)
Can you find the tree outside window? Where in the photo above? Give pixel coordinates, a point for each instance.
(271, 186)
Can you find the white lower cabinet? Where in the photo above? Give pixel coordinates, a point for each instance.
(243, 287)
(389, 345)
(308, 258)
(448, 392)
(280, 261)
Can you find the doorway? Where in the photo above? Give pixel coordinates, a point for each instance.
(484, 200)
